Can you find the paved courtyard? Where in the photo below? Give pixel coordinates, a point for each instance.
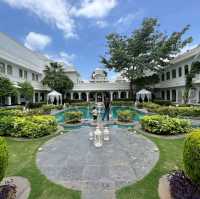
(73, 161)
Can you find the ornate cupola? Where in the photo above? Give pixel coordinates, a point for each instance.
(99, 75)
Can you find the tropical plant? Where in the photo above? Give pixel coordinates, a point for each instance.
(125, 115)
(27, 90)
(147, 49)
(73, 116)
(56, 78)
(6, 87)
(195, 69)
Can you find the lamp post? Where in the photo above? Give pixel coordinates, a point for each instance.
(98, 142)
(106, 134)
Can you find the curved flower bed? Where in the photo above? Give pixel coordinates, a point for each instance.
(165, 125)
(17, 124)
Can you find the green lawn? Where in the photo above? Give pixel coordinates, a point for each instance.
(22, 163)
(170, 159)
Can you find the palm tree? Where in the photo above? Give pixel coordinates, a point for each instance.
(56, 79)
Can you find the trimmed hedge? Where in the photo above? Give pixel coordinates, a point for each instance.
(125, 115)
(122, 102)
(27, 126)
(163, 102)
(173, 111)
(165, 125)
(73, 116)
(191, 156)
(3, 157)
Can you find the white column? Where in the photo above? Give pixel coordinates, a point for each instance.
(9, 103)
(79, 96)
(95, 97)
(18, 99)
(87, 96)
(119, 94)
(102, 97)
(71, 95)
(170, 94)
(126, 94)
(177, 90)
(39, 96)
(33, 97)
(198, 93)
(111, 96)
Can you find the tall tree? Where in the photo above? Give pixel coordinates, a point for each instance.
(56, 79)
(26, 89)
(147, 49)
(6, 87)
(195, 69)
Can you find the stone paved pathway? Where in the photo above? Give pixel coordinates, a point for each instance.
(73, 161)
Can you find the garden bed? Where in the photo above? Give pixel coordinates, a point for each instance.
(165, 125)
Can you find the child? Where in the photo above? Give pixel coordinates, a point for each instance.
(94, 113)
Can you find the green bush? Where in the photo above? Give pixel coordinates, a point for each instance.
(165, 125)
(191, 156)
(27, 126)
(152, 107)
(11, 112)
(121, 102)
(179, 111)
(3, 158)
(163, 102)
(73, 116)
(47, 108)
(173, 111)
(125, 115)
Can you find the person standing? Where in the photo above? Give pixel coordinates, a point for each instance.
(106, 109)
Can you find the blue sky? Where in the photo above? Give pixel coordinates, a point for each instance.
(74, 30)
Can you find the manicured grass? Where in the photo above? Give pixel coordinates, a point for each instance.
(22, 163)
(170, 159)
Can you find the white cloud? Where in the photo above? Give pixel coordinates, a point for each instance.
(129, 18)
(101, 24)
(95, 8)
(37, 41)
(63, 57)
(54, 12)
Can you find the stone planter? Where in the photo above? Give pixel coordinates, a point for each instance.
(164, 188)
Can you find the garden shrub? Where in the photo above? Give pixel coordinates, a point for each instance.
(165, 125)
(47, 108)
(152, 107)
(73, 116)
(173, 111)
(11, 112)
(27, 126)
(163, 102)
(122, 102)
(125, 115)
(3, 157)
(32, 105)
(191, 156)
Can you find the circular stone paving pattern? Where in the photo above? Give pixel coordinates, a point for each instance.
(73, 161)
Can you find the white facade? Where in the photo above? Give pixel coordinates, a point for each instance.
(20, 64)
(172, 79)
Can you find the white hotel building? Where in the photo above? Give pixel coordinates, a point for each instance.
(172, 79)
(20, 64)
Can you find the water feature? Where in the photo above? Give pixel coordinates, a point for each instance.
(87, 116)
